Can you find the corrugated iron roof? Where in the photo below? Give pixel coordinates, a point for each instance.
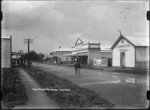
(134, 40)
(138, 40)
(8, 37)
(105, 47)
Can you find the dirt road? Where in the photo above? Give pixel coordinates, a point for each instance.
(122, 89)
(37, 99)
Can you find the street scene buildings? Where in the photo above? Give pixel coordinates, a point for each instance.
(123, 53)
(75, 54)
(130, 51)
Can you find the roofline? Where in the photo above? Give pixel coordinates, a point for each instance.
(129, 41)
(6, 38)
(142, 46)
(62, 50)
(116, 42)
(120, 37)
(77, 41)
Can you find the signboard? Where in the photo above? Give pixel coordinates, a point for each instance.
(122, 50)
(100, 62)
(122, 46)
(94, 46)
(78, 47)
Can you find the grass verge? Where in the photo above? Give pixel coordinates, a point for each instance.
(13, 90)
(74, 97)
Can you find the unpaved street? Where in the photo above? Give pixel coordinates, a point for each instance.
(122, 89)
(37, 99)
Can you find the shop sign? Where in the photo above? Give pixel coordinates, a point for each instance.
(122, 46)
(122, 50)
(94, 46)
(78, 47)
(100, 62)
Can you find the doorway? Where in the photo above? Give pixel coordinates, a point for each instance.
(122, 59)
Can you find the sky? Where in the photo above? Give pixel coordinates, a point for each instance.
(59, 23)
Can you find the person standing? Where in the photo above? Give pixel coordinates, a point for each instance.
(77, 65)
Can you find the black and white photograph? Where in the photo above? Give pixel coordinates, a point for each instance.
(75, 54)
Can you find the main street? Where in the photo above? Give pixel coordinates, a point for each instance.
(122, 89)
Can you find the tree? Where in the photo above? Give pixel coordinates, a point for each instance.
(40, 56)
(33, 56)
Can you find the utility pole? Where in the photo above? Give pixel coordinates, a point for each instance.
(20, 52)
(28, 41)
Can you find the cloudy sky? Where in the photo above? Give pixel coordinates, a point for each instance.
(59, 23)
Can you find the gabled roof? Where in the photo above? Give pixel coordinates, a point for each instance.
(78, 42)
(133, 40)
(138, 40)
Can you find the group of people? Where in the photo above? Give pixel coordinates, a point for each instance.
(77, 65)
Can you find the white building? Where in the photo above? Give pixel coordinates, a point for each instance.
(6, 45)
(131, 51)
(58, 55)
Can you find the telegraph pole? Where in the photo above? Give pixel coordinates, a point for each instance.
(21, 59)
(28, 41)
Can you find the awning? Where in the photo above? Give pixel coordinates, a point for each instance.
(82, 54)
(69, 55)
(77, 54)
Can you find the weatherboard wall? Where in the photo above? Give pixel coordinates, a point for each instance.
(5, 53)
(128, 49)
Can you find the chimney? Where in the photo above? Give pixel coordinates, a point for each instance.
(59, 47)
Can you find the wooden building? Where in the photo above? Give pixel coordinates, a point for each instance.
(6, 49)
(131, 51)
(57, 56)
(86, 52)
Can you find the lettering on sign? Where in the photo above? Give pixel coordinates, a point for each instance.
(94, 46)
(79, 47)
(121, 46)
(122, 50)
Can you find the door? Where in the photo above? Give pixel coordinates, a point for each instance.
(122, 59)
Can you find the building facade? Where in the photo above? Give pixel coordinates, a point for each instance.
(6, 46)
(131, 51)
(86, 52)
(58, 55)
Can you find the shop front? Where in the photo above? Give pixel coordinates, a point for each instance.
(85, 52)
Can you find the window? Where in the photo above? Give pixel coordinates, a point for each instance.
(122, 41)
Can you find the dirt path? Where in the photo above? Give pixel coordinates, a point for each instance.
(126, 91)
(37, 99)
